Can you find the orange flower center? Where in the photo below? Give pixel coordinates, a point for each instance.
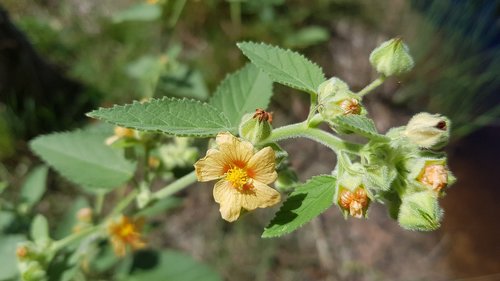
(126, 230)
(238, 177)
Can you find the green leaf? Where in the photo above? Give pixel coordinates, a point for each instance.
(159, 207)
(138, 12)
(40, 230)
(83, 158)
(8, 260)
(358, 124)
(34, 186)
(146, 70)
(284, 66)
(68, 221)
(180, 117)
(170, 266)
(305, 203)
(242, 92)
(181, 81)
(307, 36)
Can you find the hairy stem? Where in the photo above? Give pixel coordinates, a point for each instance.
(175, 186)
(302, 130)
(370, 87)
(70, 239)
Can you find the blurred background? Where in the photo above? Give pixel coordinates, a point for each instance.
(62, 58)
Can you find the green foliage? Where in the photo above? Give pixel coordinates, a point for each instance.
(305, 203)
(171, 265)
(34, 186)
(146, 70)
(180, 117)
(358, 124)
(84, 159)
(242, 92)
(138, 12)
(68, 221)
(284, 66)
(8, 264)
(307, 36)
(40, 230)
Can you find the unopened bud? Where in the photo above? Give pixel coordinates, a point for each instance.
(356, 203)
(153, 162)
(428, 130)
(435, 176)
(420, 211)
(21, 252)
(392, 58)
(335, 99)
(84, 215)
(256, 127)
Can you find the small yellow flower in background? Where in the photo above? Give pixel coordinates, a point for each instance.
(243, 175)
(120, 133)
(152, 2)
(126, 231)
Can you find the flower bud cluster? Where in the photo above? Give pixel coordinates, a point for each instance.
(422, 171)
(179, 154)
(32, 261)
(335, 99)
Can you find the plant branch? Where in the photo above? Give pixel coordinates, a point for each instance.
(302, 130)
(370, 87)
(175, 186)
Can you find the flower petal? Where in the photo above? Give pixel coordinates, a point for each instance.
(210, 167)
(236, 152)
(229, 200)
(261, 196)
(261, 166)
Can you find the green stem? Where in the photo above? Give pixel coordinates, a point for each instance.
(99, 202)
(312, 107)
(124, 203)
(177, 10)
(58, 245)
(235, 11)
(377, 82)
(302, 130)
(175, 186)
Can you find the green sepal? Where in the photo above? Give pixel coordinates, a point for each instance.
(420, 211)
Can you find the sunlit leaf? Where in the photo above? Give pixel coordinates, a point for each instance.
(284, 66)
(83, 158)
(306, 202)
(181, 117)
(242, 92)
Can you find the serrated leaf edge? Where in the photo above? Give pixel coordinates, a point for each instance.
(288, 51)
(221, 114)
(301, 225)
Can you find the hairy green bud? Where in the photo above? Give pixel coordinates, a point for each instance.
(256, 127)
(335, 99)
(392, 58)
(420, 211)
(428, 130)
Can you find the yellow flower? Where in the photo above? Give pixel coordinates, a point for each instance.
(120, 133)
(243, 175)
(151, 2)
(126, 232)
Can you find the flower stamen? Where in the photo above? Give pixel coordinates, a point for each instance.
(238, 177)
